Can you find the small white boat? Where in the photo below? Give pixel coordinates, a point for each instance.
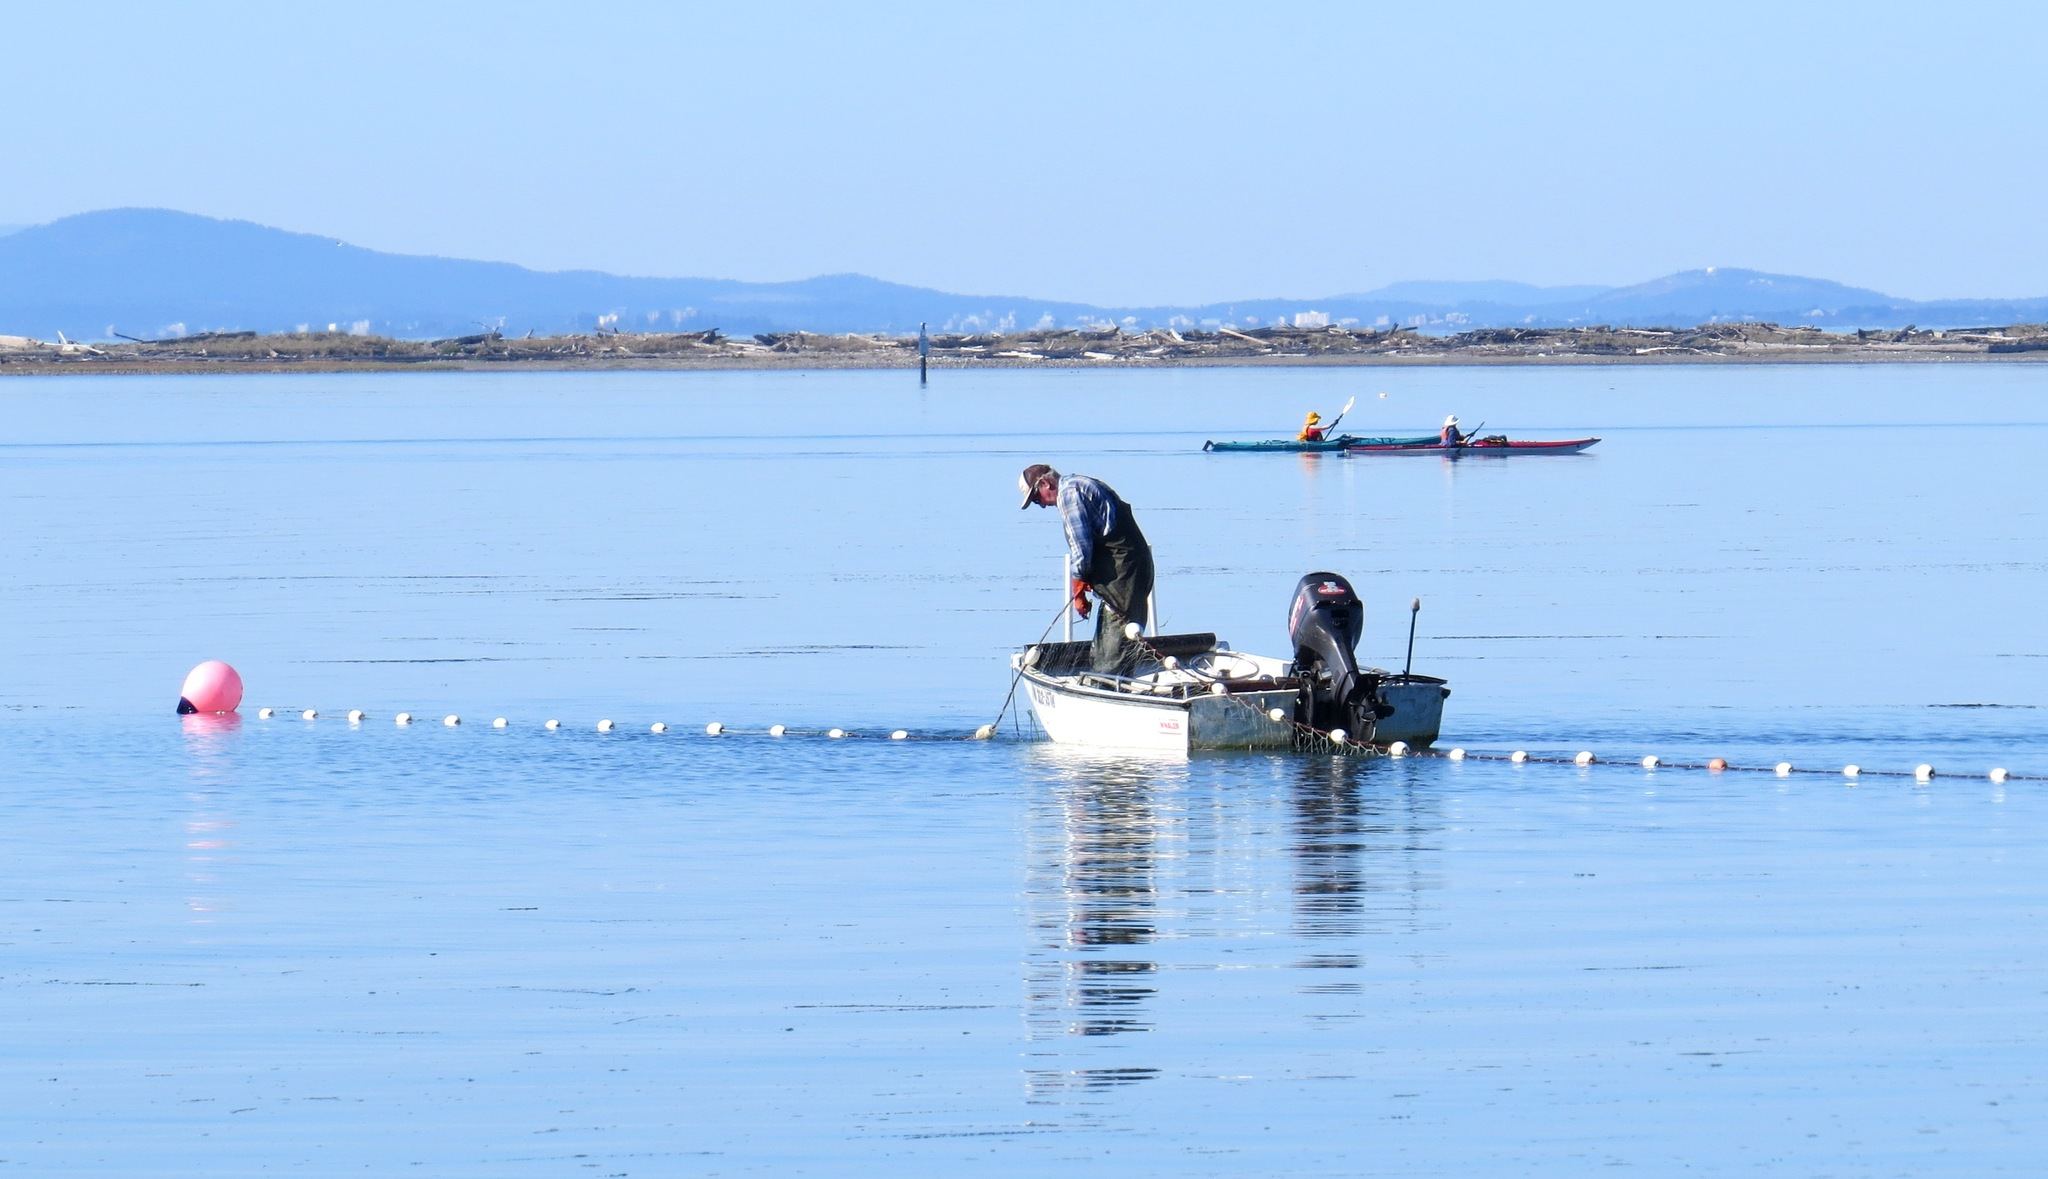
(1192, 691)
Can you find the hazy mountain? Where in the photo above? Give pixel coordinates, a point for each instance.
(149, 272)
(152, 272)
(1724, 293)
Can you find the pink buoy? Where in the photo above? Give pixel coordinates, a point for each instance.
(213, 686)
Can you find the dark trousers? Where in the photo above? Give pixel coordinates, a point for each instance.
(1123, 563)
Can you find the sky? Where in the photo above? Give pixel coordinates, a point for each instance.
(1120, 154)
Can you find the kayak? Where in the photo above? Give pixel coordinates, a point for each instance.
(1489, 449)
(1340, 442)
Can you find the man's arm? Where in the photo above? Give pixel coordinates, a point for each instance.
(1077, 516)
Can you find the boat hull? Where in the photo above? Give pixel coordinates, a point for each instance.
(1418, 710)
(1471, 450)
(1339, 443)
(1073, 714)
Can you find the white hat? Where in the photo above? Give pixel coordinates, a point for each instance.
(1452, 420)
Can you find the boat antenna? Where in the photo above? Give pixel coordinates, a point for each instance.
(1414, 609)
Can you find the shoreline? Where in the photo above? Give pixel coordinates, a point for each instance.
(1714, 344)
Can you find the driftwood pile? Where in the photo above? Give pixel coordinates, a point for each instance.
(1724, 342)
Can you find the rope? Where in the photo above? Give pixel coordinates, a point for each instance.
(1018, 675)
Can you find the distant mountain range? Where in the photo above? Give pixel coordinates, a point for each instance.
(151, 273)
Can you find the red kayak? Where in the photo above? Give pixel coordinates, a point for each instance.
(1493, 447)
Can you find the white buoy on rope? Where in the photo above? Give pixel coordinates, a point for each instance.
(1784, 769)
(1219, 689)
(1398, 749)
(779, 730)
(1455, 754)
(355, 716)
(1650, 761)
(402, 719)
(900, 735)
(835, 734)
(310, 714)
(1276, 715)
(451, 720)
(658, 727)
(981, 734)
(1519, 756)
(713, 729)
(499, 722)
(1997, 774)
(265, 713)
(1132, 630)
(1852, 770)
(1170, 663)
(1923, 772)
(552, 725)
(1585, 758)
(604, 726)
(1338, 736)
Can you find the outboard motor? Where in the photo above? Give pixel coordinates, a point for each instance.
(1324, 624)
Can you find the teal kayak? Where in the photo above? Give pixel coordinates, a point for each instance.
(1340, 442)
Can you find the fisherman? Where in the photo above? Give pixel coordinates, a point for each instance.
(1312, 429)
(1452, 436)
(1106, 556)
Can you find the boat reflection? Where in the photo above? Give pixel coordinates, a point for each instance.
(1097, 835)
(1357, 843)
(1145, 874)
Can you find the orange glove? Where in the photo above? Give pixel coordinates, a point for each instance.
(1081, 589)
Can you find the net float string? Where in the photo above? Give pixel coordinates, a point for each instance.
(1334, 739)
(226, 699)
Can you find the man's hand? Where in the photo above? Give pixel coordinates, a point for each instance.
(1081, 590)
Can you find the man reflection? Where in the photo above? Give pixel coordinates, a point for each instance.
(1088, 978)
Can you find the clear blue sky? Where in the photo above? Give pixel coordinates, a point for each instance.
(1111, 153)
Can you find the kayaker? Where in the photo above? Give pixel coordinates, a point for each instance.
(1106, 555)
(1452, 436)
(1312, 429)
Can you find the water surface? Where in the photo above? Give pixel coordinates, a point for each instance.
(242, 946)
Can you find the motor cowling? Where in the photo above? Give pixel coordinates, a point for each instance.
(1325, 623)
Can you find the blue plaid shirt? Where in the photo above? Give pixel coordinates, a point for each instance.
(1089, 510)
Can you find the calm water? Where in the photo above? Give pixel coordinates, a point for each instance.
(244, 946)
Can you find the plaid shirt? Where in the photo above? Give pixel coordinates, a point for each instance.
(1088, 508)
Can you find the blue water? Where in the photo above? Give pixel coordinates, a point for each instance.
(239, 946)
